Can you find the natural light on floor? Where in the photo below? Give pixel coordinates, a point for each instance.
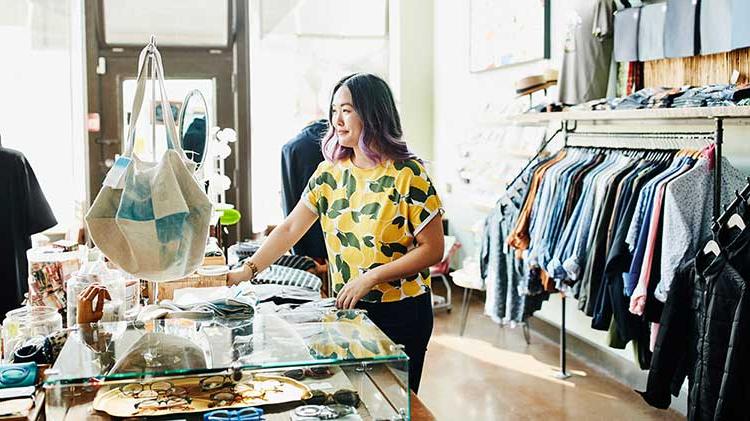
(516, 361)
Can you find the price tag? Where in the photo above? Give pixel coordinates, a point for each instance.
(735, 77)
(116, 176)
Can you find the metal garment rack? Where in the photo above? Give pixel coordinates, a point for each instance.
(716, 137)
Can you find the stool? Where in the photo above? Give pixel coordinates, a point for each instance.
(441, 270)
(469, 279)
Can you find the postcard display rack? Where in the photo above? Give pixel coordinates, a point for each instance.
(186, 367)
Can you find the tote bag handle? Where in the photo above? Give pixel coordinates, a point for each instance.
(152, 55)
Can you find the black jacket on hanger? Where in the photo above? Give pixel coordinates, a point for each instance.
(703, 335)
(299, 160)
(23, 211)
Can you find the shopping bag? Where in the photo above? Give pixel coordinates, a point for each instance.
(155, 224)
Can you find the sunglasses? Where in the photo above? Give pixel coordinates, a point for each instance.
(245, 391)
(342, 397)
(245, 414)
(311, 373)
(323, 412)
(208, 384)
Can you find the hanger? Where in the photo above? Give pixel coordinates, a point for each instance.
(736, 220)
(712, 247)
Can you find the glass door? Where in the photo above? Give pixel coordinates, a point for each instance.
(150, 148)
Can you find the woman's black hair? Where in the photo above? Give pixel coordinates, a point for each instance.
(381, 136)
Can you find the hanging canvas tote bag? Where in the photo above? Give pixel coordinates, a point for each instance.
(154, 225)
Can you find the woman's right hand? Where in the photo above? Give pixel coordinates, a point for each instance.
(238, 275)
(281, 239)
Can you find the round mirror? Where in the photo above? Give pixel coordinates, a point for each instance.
(194, 124)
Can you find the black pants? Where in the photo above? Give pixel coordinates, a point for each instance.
(409, 323)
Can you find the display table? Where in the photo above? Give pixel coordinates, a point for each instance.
(100, 365)
(83, 410)
(419, 411)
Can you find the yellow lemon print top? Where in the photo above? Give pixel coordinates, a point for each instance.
(370, 217)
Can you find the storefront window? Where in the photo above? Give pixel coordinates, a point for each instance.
(295, 61)
(42, 104)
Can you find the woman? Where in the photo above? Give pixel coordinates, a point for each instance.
(380, 215)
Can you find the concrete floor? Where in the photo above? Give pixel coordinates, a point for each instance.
(492, 374)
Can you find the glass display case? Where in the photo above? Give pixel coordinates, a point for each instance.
(285, 363)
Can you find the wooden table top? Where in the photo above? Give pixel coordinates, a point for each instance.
(419, 411)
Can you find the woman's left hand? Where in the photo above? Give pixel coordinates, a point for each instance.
(353, 291)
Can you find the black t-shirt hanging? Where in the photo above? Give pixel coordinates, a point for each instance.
(23, 211)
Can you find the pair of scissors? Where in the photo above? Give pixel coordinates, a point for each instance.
(245, 414)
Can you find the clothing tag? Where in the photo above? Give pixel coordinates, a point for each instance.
(116, 176)
(735, 77)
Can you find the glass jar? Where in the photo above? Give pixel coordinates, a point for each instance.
(49, 270)
(132, 297)
(27, 322)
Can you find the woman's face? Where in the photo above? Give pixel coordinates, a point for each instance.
(345, 120)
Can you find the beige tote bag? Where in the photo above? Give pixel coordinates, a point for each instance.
(155, 224)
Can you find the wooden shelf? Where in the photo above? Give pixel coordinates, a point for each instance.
(642, 114)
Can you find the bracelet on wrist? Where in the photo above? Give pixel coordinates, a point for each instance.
(253, 268)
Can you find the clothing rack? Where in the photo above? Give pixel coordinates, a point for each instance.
(669, 139)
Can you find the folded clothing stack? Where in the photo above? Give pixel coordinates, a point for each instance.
(241, 250)
(309, 312)
(282, 275)
(665, 99)
(229, 303)
(718, 95)
(706, 96)
(638, 100)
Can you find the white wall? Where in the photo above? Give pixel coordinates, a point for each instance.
(411, 71)
(465, 101)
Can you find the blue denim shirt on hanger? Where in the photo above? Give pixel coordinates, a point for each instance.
(540, 213)
(567, 239)
(573, 262)
(555, 224)
(630, 279)
(558, 223)
(644, 205)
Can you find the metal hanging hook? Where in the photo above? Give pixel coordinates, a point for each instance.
(152, 44)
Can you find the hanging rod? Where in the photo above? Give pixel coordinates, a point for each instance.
(636, 140)
(646, 135)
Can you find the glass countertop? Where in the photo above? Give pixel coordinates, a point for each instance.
(169, 347)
